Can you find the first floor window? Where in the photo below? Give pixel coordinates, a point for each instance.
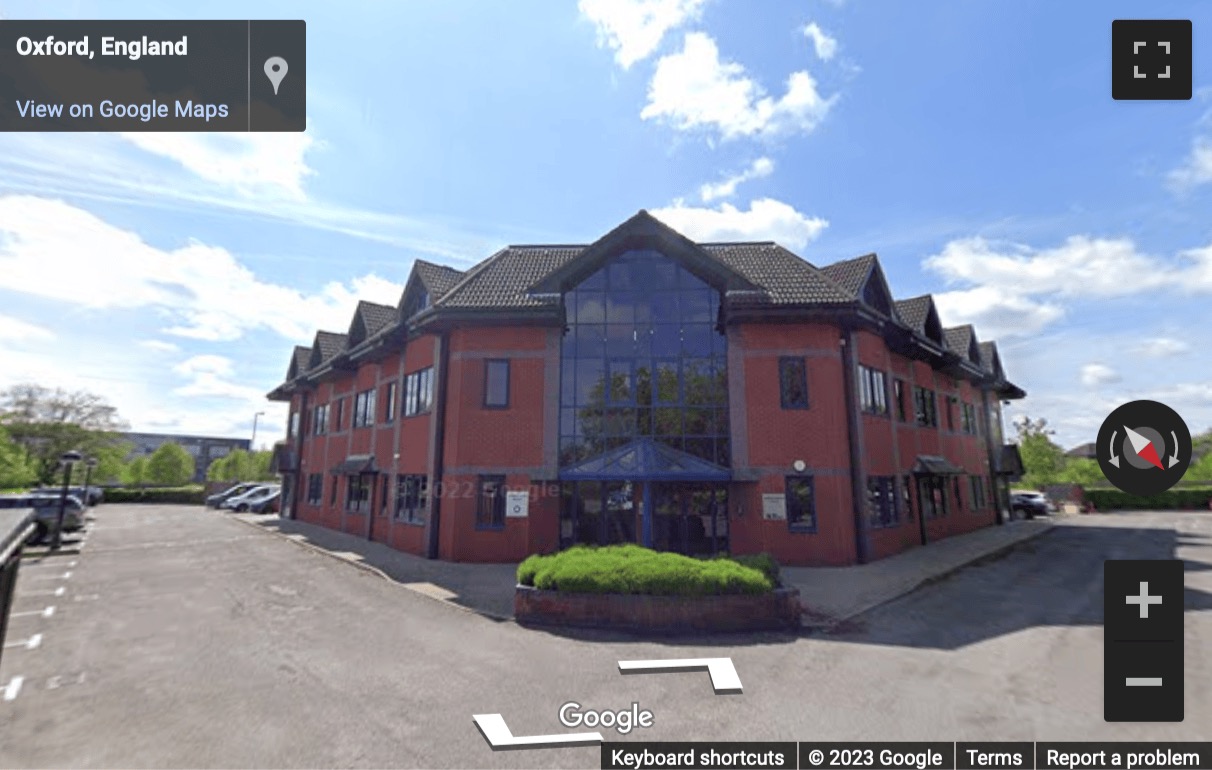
(357, 493)
(873, 391)
(490, 503)
(418, 392)
(389, 403)
(793, 383)
(364, 409)
(881, 501)
(412, 498)
(925, 407)
(496, 383)
(801, 503)
(340, 414)
(320, 420)
(293, 429)
(898, 395)
(315, 488)
(332, 493)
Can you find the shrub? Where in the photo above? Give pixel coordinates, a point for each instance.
(763, 562)
(189, 495)
(630, 569)
(1180, 498)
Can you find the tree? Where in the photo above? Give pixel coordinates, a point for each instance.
(136, 472)
(170, 464)
(46, 423)
(1043, 459)
(16, 472)
(1083, 471)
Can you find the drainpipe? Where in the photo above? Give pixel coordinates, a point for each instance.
(858, 490)
(994, 493)
(439, 446)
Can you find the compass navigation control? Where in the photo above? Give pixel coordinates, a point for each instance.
(1144, 447)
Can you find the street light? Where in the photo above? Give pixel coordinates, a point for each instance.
(89, 464)
(67, 460)
(253, 446)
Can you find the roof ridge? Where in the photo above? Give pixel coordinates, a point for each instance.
(471, 273)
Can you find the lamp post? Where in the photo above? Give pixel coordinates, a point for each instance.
(253, 445)
(89, 464)
(67, 460)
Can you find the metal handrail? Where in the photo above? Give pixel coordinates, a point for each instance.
(17, 543)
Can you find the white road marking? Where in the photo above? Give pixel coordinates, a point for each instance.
(64, 576)
(14, 687)
(86, 597)
(57, 592)
(46, 613)
(724, 678)
(31, 643)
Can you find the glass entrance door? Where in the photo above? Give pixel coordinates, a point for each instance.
(690, 518)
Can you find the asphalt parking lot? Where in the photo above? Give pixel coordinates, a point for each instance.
(182, 638)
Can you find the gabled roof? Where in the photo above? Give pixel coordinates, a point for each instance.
(863, 279)
(298, 362)
(369, 318)
(646, 459)
(990, 361)
(920, 314)
(326, 346)
(782, 278)
(504, 279)
(961, 340)
(438, 279)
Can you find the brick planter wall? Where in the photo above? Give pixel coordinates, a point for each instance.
(775, 611)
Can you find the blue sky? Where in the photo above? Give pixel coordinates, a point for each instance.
(974, 146)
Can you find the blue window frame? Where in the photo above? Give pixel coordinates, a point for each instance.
(801, 503)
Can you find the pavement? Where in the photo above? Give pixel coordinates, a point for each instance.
(183, 638)
(830, 595)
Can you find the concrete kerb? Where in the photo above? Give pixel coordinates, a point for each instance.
(371, 569)
(825, 625)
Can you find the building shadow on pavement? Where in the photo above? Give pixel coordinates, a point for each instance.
(1050, 581)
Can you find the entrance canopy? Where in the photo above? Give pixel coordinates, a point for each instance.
(933, 465)
(645, 459)
(356, 464)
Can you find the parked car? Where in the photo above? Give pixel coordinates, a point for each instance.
(92, 496)
(269, 503)
(46, 511)
(216, 500)
(1029, 504)
(241, 502)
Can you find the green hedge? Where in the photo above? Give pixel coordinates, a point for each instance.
(191, 495)
(1179, 498)
(630, 569)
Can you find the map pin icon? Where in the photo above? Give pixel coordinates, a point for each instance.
(275, 70)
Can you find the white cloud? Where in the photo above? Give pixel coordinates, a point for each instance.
(220, 366)
(693, 89)
(1097, 374)
(762, 167)
(1162, 347)
(1196, 169)
(766, 219)
(635, 28)
(996, 312)
(210, 376)
(252, 164)
(160, 346)
(825, 46)
(16, 330)
(205, 290)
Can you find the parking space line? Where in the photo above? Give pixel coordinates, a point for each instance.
(57, 592)
(32, 643)
(14, 687)
(46, 613)
(65, 576)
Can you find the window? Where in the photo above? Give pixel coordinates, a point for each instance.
(320, 423)
(873, 391)
(292, 429)
(357, 493)
(951, 402)
(383, 496)
(906, 486)
(932, 496)
(898, 393)
(968, 419)
(958, 499)
(332, 497)
(412, 498)
(389, 402)
(801, 503)
(496, 383)
(418, 392)
(793, 383)
(490, 505)
(340, 414)
(315, 488)
(976, 488)
(881, 501)
(925, 407)
(364, 409)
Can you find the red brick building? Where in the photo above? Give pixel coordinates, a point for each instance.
(703, 398)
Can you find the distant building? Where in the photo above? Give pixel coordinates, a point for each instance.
(205, 449)
(1086, 451)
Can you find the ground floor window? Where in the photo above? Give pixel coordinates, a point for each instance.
(412, 498)
(881, 501)
(490, 502)
(687, 517)
(383, 496)
(906, 491)
(801, 503)
(315, 488)
(977, 496)
(332, 496)
(357, 493)
(957, 499)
